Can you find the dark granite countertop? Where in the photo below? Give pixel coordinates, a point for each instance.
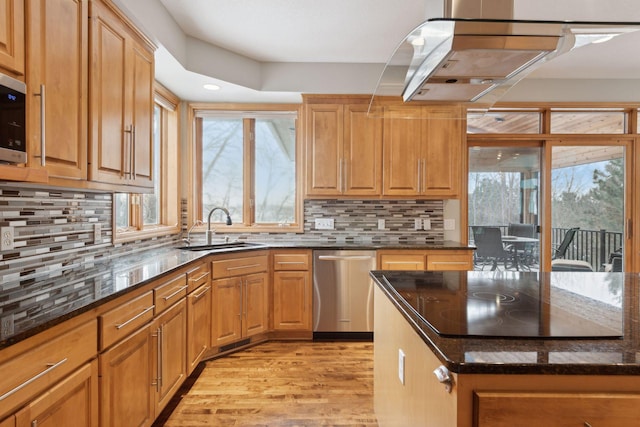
(522, 323)
(364, 245)
(29, 307)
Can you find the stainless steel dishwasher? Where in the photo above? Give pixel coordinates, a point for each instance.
(343, 294)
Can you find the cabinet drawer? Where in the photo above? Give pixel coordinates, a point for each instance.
(449, 262)
(498, 409)
(239, 266)
(402, 262)
(28, 374)
(291, 261)
(198, 277)
(169, 292)
(120, 322)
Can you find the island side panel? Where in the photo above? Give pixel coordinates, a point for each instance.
(421, 400)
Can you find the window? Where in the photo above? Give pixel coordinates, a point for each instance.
(157, 213)
(246, 162)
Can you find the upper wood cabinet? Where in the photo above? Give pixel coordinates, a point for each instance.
(343, 150)
(12, 37)
(57, 81)
(121, 105)
(423, 151)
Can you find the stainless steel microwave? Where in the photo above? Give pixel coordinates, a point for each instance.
(12, 120)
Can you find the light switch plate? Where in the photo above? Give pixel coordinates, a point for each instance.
(381, 224)
(417, 224)
(324, 223)
(97, 233)
(426, 224)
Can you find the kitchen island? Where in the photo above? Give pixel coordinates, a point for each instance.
(511, 349)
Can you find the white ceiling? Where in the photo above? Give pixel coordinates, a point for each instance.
(274, 50)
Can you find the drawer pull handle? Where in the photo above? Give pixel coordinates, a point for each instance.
(243, 266)
(137, 316)
(50, 367)
(586, 424)
(450, 262)
(180, 289)
(291, 262)
(200, 277)
(201, 294)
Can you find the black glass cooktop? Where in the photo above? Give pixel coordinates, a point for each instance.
(515, 305)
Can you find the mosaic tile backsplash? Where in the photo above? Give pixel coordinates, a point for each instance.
(56, 239)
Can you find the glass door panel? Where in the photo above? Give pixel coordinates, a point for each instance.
(587, 207)
(503, 188)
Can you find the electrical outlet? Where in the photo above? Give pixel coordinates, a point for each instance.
(426, 224)
(401, 366)
(381, 224)
(6, 238)
(97, 233)
(324, 223)
(7, 326)
(417, 224)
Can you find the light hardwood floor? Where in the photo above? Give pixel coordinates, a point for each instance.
(282, 384)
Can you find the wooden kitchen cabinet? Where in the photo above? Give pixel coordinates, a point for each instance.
(431, 260)
(199, 314)
(57, 78)
(71, 403)
(422, 151)
(240, 297)
(292, 290)
(12, 37)
(170, 333)
(121, 104)
(126, 395)
(343, 149)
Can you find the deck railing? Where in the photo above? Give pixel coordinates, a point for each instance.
(593, 246)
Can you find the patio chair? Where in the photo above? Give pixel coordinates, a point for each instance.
(527, 253)
(489, 247)
(561, 250)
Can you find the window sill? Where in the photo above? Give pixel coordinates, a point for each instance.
(146, 233)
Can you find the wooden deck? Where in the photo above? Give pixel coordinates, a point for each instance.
(281, 384)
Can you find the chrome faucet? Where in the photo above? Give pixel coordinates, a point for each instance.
(209, 234)
(196, 223)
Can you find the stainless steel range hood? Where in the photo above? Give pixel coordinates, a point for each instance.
(477, 52)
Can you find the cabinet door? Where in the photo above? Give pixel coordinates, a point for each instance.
(12, 36)
(324, 154)
(226, 325)
(57, 81)
(111, 128)
(71, 403)
(402, 151)
(9, 422)
(198, 325)
(292, 300)
(142, 116)
(170, 333)
(442, 152)
(127, 397)
(255, 304)
(362, 168)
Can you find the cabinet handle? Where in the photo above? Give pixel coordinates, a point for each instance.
(200, 277)
(43, 122)
(158, 381)
(343, 175)
(449, 262)
(586, 424)
(241, 299)
(126, 160)
(419, 176)
(290, 262)
(50, 367)
(137, 316)
(242, 266)
(133, 151)
(180, 289)
(201, 294)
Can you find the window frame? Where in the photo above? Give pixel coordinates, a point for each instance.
(169, 213)
(194, 204)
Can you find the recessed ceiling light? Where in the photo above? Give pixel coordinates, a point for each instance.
(210, 86)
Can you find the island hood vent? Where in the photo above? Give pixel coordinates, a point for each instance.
(476, 52)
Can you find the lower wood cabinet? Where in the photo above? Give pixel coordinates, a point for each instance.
(292, 290)
(140, 374)
(431, 260)
(240, 297)
(198, 325)
(71, 403)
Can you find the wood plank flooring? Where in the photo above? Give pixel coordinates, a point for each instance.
(282, 384)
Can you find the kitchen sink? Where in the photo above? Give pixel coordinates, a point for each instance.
(220, 246)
